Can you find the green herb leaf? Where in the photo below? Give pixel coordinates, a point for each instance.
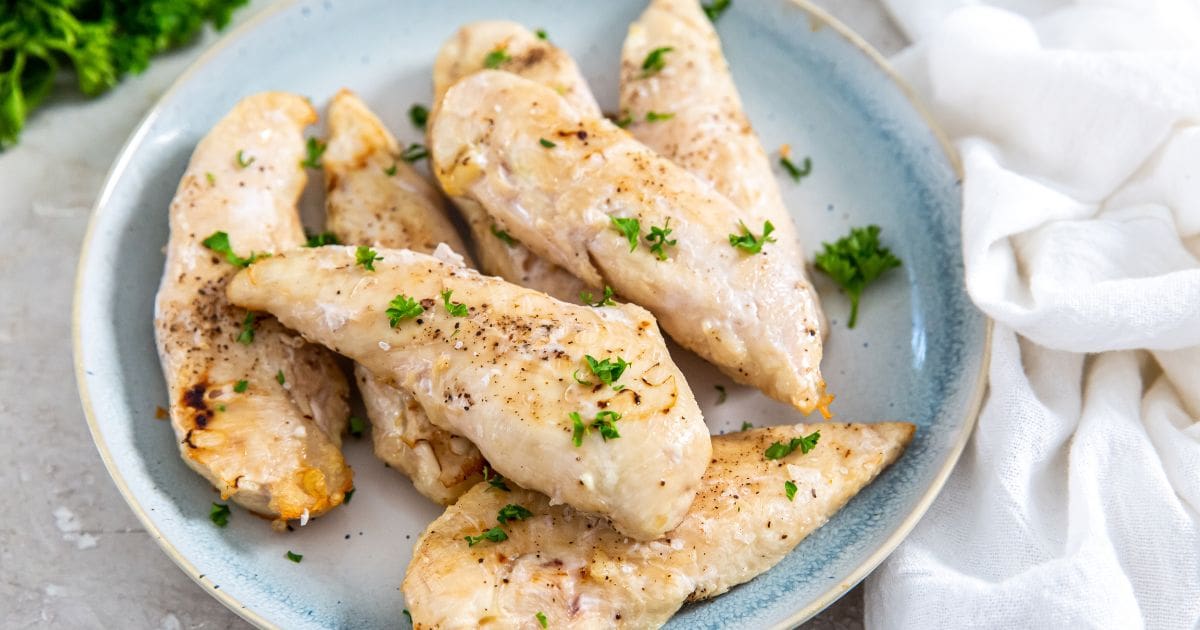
(604, 422)
(721, 393)
(212, 179)
(541, 34)
(746, 426)
(242, 162)
(219, 243)
(494, 479)
(750, 243)
(715, 9)
(366, 257)
(240, 386)
(494, 534)
(658, 240)
(391, 170)
(349, 495)
(279, 377)
(357, 426)
(579, 429)
(321, 240)
(456, 309)
(657, 116)
(608, 371)
(504, 236)
(629, 228)
(496, 58)
(796, 172)
(294, 557)
(789, 488)
(541, 617)
(419, 115)
(778, 450)
(407, 614)
(855, 261)
(624, 120)
(512, 512)
(401, 308)
(546, 143)
(315, 149)
(586, 297)
(655, 62)
(414, 152)
(246, 337)
(219, 514)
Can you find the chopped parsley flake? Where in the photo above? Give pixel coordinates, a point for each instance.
(624, 120)
(494, 479)
(357, 426)
(414, 152)
(494, 534)
(714, 10)
(778, 450)
(349, 495)
(401, 308)
(212, 179)
(657, 116)
(541, 617)
(391, 170)
(750, 243)
(855, 261)
(315, 149)
(721, 393)
(796, 172)
(419, 115)
(219, 243)
(242, 162)
(512, 512)
(629, 228)
(546, 143)
(658, 240)
(219, 514)
(789, 488)
(294, 557)
(541, 34)
(608, 371)
(366, 257)
(586, 297)
(321, 240)
(246, 337)
(504, 236)
(654, 62)
(456, 309)
(240, 386)
(279, 377)
(604, 422)
(496, 58)
(746, 426)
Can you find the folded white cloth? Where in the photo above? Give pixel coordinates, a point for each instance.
(1077, 502)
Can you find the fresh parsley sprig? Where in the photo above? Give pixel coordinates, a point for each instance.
(495, 534)
(246, 336)
(456, 309)
(658, 239)
(402, 307)
(586, 297)
(219, 243)
(604, 422)
(315, 149)
(654, 62)
(607, 370)
(629, 228)
(855, 261)
(748, 242)
(806, 443)
(496, 58)
(419, 115)
(512, 512)
(321, 240)
(365, 257)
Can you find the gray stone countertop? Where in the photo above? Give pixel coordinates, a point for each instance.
(72, 554)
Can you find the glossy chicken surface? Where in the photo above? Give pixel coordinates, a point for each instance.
(505, 372)
(751, 314)
(580, 573)
(259, 412)
(538, 60)
(374, 198)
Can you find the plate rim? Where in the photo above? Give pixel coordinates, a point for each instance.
(818, 18)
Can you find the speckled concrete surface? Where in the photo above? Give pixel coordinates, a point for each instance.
(72, 555)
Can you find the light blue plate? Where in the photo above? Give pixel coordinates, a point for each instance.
(918, 352)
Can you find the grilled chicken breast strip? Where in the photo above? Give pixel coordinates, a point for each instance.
(373, 198)
(258, 411)
(505, 375)
(580, 573)
(753, 315)
(538, 60)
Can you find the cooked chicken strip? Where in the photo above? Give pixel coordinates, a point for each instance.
(537, 60)
(259, 412)
(373, 198)
(580, 573)
(504, 375)
(753, 315)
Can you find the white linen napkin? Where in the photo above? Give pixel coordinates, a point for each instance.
(1077, 501)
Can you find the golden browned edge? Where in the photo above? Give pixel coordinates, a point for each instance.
(817, 17)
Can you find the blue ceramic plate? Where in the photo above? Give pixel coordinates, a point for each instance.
(917, 354)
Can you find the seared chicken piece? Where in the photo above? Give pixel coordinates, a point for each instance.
(374, 198)
(258, 411)
(505, 372)
(752, 314)
(580, 573)
(537, 60)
